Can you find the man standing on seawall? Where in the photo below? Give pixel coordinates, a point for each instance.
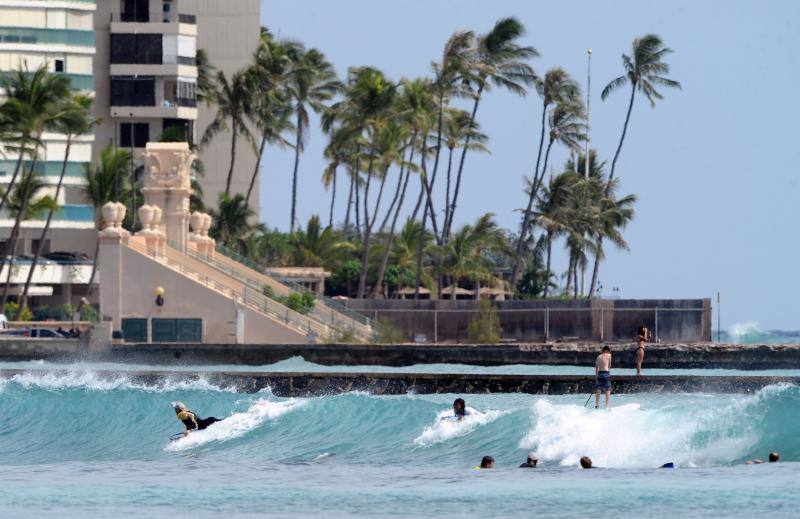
(602, 372)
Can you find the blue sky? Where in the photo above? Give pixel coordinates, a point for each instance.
(714, 165)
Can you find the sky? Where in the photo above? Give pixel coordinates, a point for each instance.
(714, 165)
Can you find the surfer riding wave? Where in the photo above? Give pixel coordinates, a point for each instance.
(190, 420)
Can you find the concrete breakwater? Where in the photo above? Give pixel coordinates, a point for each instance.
(684, 356)
(316, 384)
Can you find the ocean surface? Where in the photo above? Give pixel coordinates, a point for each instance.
(78, 445)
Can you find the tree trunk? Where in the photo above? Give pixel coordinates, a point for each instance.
(13, 181)
(255, 171)
(233, 160)
(446, 230)
(447, 190)
(621, 139)
(575, 278)
(549, 256)
(94, 269)
(23, 301)
(569, 272)
(349, 206)
(333, 198)
(358, 207)
(390, 238)
(294, 174)
(420, 198)
(596, 269)
(526, 219)
(420, 245)
(362, 279)
(399, 182)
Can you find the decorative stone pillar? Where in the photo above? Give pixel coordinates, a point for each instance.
(167, 185)
(109, 261)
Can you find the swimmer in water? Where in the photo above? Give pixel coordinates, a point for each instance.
(190, 420)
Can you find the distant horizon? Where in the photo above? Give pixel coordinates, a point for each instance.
(708, 164)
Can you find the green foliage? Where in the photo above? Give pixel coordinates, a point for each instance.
(303, 303)
(342, 336)
(484, 328)
(385, 332)
(89, 313)
(11, 312)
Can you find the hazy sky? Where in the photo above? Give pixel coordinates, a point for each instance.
(714, 165)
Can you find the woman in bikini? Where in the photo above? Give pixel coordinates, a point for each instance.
(642, 336)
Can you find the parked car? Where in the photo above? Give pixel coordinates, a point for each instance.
(68, 257)
(42, 333)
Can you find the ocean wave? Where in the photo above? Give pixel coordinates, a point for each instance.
(442, 429)
(93, 381)
(237, 424)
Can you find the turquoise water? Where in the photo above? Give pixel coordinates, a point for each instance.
(79, 446)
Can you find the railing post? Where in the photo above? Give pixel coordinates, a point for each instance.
(656, 337)
(546, 324)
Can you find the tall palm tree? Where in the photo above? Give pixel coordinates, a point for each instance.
(553, 216)
(235, 104)
(461, 131)
(101, 188)
(311, 84)
(644, 70)
(557, 86)
(272, 64)
(231, 221)
(75, 121)
(500, 60)
(24, 204)
(31, 102)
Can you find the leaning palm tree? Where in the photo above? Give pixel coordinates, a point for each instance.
(498, 60)
(30, 107)
(553, 216)
(272, 64)
(24, 204)
(310, 85)
(613, 215)
(206, 86)
(557, 86)
(234, 104)
(461, 131)
(644, 70)
(74, 121)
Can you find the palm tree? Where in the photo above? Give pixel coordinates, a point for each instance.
(552, 214)
(644, 69)
(74, 121)
(461, 131)
(101, 187)
(235, 104)
(206, 87)
(557, 86)
(317, 246)
(311, 83)
(499, 60)
(29, 109)
(231, 221)
(23, 205)
(269, 73)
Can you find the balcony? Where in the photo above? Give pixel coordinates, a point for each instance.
(50, 168)
(152, 97)
(25, 36)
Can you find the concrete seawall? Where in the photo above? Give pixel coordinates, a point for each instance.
(699, 355)
(315, 384)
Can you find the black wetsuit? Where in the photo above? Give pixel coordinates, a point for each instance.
(194, 422)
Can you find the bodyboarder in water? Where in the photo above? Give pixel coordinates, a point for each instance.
(190, 420)
(460, 410)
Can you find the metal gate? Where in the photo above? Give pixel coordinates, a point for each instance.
(134, 330)
(177, 330)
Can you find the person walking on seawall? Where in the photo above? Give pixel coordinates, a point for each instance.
(642, 336)
(602, 373)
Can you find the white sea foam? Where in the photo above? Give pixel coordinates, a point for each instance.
(741, 332)
(237, 424)
(629, 436)
(90, 380)
(443, 430)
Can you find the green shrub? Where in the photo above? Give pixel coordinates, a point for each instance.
(11, 312)
(89, 313)
(342, 336)
(484, 328)
(385, 332)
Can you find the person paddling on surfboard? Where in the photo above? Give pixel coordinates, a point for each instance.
(190, 419)
(602, 371)
(460, 410)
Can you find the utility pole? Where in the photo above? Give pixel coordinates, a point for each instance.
(588, 100)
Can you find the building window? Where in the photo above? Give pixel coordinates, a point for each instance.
(59, 65)
(137, 49)
(133, 91)
(179, 129)
(135, 10)
(141, 134)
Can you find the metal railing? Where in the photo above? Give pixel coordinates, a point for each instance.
(294, 287)
(248, 297)
(332, 319)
